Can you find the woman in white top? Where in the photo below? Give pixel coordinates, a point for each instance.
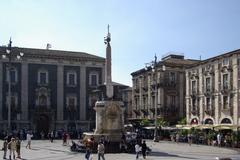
(137, 150)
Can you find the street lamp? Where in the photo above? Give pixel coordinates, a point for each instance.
(153, 66)
(9, 56)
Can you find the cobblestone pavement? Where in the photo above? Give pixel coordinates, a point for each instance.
(44, 150)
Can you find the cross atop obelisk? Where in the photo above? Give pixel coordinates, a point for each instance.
(108, 66)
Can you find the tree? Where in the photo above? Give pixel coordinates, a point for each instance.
(145, 122)
(182, 121)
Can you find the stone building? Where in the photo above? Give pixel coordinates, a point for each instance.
(168, 81)
(212, 90)
(49, 88)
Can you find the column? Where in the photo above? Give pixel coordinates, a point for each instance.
(24, 91)
(235, 84)
(201, 105)
(181, 95)
(60, 92)
(1, 98)
(217, 97)
(83, 93)
(187, 98)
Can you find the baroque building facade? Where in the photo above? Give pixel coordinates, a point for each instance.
(49, 89)
(212, 90)
(168, 81)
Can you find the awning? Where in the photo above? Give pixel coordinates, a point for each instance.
(205, 126)
(179, 126)
(226, 126)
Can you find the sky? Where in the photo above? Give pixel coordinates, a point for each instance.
(139, 28)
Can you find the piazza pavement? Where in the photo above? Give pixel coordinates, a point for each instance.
(45, 150)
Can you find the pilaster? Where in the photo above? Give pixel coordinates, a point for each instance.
(235, 97)
(82, 93)
(200, 93)
(187, 98)
(216, 92)
(1, 84)
(60, 92)
(24, 91)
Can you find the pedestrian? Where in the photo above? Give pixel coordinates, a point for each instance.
(144, 149)
(18, 147)
(88, 154)
(29, 138)
(177, 138)
(5, 147)
(219, 137)
(101, 150)
(52, 136)
(64, 138)
(189, 136)
(12, 148)
(137, 150)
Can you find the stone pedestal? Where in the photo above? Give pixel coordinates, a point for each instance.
(110, 119)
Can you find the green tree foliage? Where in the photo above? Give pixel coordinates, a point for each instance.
(145, 122)
(182, 121)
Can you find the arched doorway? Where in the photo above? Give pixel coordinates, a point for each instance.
(226, 121)
(194, 121)
(43, 124)
(208, 121)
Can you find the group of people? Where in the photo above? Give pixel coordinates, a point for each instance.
(90, 146)
(13, 145)
(141, 148)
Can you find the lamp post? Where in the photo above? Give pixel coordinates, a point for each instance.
(153, 66)
(9, 56)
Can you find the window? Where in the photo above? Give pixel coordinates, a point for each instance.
(194, 105)
(71, 78)
(225, 81)
(225, 61)
(71, 103)
(172, 77)
(172, 100)
(42, 77)
(225, 102)
(208, 86)
(93, 79)
(208, 103)
(14, 101)
(13, 75)
(42, 100)
(194, 88)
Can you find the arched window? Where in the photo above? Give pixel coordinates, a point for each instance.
(208, 121)
(42, 100)
(226, 121)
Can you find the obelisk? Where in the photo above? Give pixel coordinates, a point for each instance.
(108, 65)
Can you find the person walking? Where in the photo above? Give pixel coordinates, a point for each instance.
(219, 138)
(88, 154)
(137, 150)
(5, 147)
(12, 148)
(18, 147)
(144, 149)
(29, 138)
(101, 150)
(177, 138)
(189, 136)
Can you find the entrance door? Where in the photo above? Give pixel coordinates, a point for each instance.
(43, 124)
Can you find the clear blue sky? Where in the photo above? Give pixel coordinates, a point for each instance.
(139, 28)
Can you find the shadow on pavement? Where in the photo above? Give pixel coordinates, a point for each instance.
(163, 154)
